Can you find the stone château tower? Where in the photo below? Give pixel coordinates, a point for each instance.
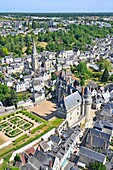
(87, 104)
(34, 58)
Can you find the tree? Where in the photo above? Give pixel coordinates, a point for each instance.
(53, 76)
(14, 97)
(4, 90)
(5, 51)
(111, 78)
(34, 25)
(100, 66)
(105, 64)
(82, 68)
(17, 158)
(2, 76)
(97, 166)
(105, 76)
(82, 82)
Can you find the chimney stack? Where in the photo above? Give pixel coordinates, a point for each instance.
(50, 164)
(82, 91)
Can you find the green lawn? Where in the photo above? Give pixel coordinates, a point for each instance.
(56, 122)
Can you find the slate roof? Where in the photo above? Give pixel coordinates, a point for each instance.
(99, 100)
(99, 134)
(34, 48)
(91, 154)
(72, 100)
(103, 124)
(44, 145)
(67, 133)
(87, 91)
(95, 141)
(93, 85)
(108, 106)
(41, 160)
(28, 167)
(110, 87)
(55, 139)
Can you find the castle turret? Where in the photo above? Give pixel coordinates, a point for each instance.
(87, 104)
(34, 58)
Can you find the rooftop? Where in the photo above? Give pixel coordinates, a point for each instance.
(92, 154)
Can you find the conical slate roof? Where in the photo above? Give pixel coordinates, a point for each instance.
(87, 91)
(34, 48)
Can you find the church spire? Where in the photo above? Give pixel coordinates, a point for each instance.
(34, 58)
(34, 48)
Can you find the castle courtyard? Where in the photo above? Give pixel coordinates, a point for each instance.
(46, 109)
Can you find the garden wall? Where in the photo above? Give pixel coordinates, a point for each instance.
(45, 137)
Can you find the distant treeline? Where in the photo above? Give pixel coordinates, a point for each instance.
(58, 14)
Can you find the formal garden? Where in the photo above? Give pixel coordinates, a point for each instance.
(22, 128)
(14, 124)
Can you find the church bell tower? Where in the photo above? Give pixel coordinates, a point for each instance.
(34, 58)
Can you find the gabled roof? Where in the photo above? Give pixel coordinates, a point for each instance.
(97, 133)
(95, 141)
(22, 157)
(72, 100)
(93, 85)
(30, 151)
(55, 139)
(91, 154)
(103, 124)
(44, 145)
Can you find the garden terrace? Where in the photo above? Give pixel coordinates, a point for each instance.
(19, 125)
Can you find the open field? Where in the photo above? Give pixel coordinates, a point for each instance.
(4, 19)
(42, 44)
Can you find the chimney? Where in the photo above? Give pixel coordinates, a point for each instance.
(50, 164)
(82, 91)
(91, 139)
(38, 147)
(90, 88)
(105, 145)
(64, 95)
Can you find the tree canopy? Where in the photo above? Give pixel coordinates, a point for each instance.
(75, 36)
(7, 95)
(97, 166)
(105, 75)
(105, 64)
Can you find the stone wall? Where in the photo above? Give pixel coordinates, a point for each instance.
(45, 137)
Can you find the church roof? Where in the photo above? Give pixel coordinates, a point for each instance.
(34, 48)
(88, 153)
